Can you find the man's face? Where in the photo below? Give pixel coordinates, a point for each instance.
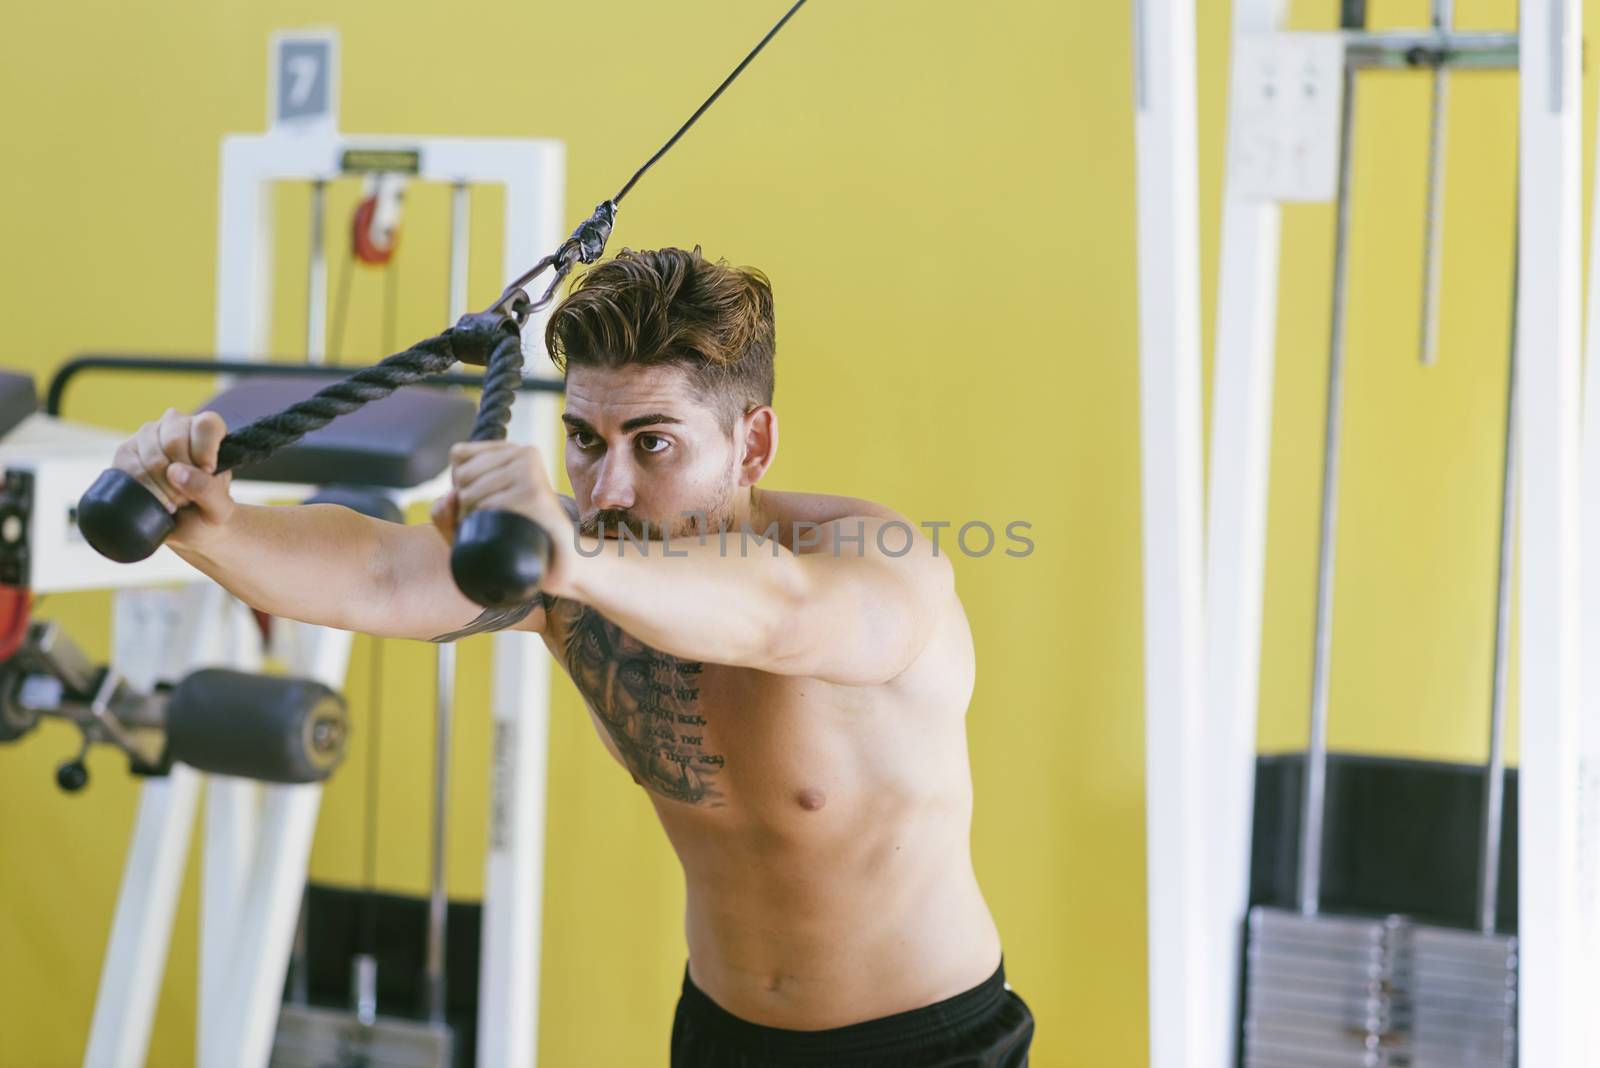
(643, 449)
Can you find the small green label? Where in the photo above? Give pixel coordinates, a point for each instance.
(384, 160)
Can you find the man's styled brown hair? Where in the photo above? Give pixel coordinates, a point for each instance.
(675, 307)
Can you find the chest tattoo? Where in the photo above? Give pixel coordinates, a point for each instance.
(648, 702)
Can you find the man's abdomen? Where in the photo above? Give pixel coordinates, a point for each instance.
(865, 920)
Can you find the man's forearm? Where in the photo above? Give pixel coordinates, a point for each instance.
(856, 618)
(710, 604)
(320, 564)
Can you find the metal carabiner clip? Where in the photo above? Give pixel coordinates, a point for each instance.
(514, 303)
(586, 245)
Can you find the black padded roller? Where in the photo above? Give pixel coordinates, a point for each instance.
(121, 519)
(261, 727)
(499, 558)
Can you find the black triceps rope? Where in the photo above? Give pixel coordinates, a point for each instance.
(499, 557)
(491, 339)
(256, 441)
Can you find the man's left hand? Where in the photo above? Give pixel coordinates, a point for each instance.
(506, 476)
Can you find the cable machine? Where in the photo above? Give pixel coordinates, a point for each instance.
(1286, 988)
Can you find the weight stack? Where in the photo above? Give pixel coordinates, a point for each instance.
(1346, 992)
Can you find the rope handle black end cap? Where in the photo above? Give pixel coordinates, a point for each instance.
(121, 519)
(499, 558)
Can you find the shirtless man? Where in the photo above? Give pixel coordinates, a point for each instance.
(794, 708)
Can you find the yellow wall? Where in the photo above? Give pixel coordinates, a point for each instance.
(942, 194)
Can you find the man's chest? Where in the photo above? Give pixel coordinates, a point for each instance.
(649, 707)
(704, 734)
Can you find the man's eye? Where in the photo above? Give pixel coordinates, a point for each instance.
(582, 439)
(653, 443)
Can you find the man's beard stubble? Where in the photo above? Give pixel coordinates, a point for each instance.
(697, 522)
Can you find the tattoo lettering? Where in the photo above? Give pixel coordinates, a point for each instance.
(638, 694)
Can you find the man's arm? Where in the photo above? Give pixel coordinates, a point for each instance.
(328, 565)
(842, 610)
(317, 563)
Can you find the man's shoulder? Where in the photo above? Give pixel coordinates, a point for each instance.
(852, 529)
(788, 508)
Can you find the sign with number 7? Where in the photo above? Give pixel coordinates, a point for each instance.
(304, 80)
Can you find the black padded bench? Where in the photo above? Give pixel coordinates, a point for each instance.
(394, 443)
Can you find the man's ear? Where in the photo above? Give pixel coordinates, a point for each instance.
(757, 443)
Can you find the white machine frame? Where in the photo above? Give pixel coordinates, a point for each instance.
(258, 838)
(1203, 601)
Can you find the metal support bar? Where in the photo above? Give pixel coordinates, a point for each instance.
(460, 247)
(1433, 225)
(1589, 639)
(1184, 1028)
(317, 278)
(445, 659)
(438, 897)
(1552, 1000)
(56, 394)
(1311, 814)
(1495, 774)
(1234, 549)
(232, 838)
(264, 920)
(141, 931)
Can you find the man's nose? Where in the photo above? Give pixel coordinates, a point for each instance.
(614, 486)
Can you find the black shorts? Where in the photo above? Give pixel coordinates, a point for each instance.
(985, 1027)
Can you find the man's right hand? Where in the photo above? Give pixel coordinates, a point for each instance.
(175, 458)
